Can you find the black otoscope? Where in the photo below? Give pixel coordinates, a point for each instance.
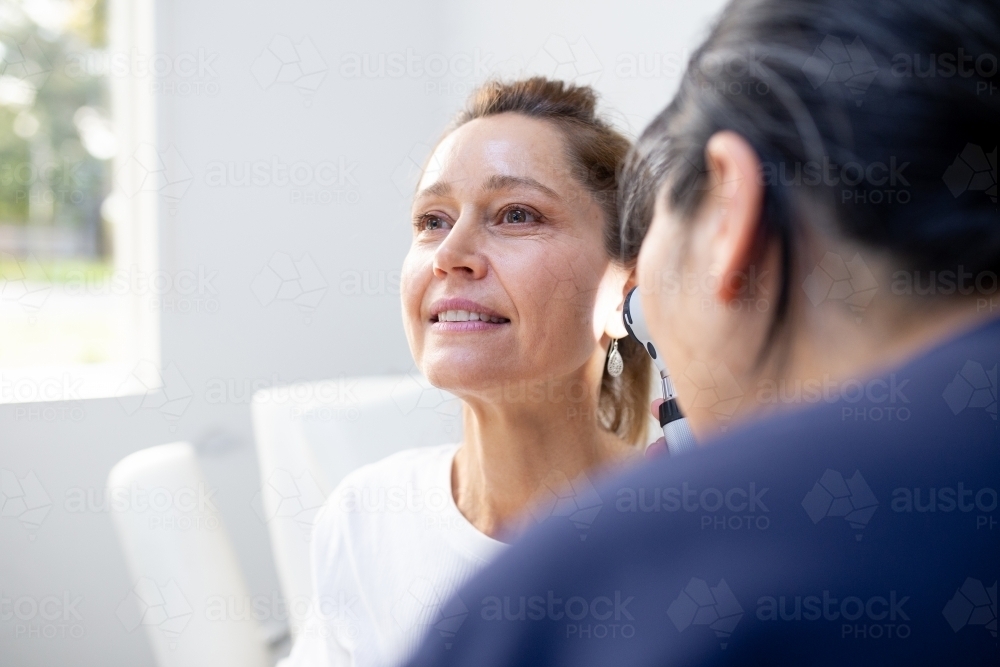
(676, 431)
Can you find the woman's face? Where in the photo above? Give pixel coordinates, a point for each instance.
(507, 279)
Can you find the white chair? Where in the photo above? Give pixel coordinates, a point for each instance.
(310, 435)
(187, 587)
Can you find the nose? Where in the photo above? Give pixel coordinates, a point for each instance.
(460, 254)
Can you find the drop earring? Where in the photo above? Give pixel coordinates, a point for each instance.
(615, 363)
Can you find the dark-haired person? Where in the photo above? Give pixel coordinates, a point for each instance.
(512, 297)
(820, 276)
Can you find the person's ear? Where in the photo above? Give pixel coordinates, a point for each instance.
(615, 326)
(735, 201)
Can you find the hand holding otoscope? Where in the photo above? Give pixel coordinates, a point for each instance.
(676, 431)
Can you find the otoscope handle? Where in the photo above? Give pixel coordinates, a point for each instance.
(676, 431)
(669, 411)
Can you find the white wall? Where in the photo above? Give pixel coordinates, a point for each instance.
(370, 125)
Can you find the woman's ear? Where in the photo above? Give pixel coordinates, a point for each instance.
(737, 197)
(615, 326)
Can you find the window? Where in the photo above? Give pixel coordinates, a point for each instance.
(76, 235)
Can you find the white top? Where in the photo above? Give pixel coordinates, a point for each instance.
(388, 550)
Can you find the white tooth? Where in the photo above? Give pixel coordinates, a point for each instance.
(451, 315)
(463, 316)
(494, 319)
(445, 316)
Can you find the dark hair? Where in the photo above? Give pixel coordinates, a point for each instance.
(874, 89)
(595, 152)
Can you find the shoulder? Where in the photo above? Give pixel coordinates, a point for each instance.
(417, 466)
(387, 489)
(793, 506)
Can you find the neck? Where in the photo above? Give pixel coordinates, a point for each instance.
(834, 348)
(535, 439)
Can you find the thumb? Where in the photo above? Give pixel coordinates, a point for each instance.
(657, 449)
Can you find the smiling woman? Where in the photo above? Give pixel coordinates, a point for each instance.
(543, 203)
(512, 295)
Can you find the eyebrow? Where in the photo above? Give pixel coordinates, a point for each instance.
(492, 184)
(498, 182)
(439, 189)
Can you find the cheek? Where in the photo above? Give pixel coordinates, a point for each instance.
(559, 282)
(415, 276)
(656, 272)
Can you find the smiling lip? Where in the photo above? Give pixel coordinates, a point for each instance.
(461, 310)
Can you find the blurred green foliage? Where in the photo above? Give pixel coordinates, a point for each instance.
(49, 174)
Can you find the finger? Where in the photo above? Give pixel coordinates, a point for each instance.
(657, 449)
(654, 407)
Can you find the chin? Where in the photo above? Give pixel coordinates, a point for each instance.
(467, 374)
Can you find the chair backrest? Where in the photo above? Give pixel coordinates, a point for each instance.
(187, 590)
(310, 435)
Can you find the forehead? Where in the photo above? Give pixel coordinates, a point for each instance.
(507, 144)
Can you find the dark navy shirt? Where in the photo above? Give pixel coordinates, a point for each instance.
(859, 528)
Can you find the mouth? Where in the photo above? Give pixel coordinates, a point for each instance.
(467, 316)
(464, 315)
